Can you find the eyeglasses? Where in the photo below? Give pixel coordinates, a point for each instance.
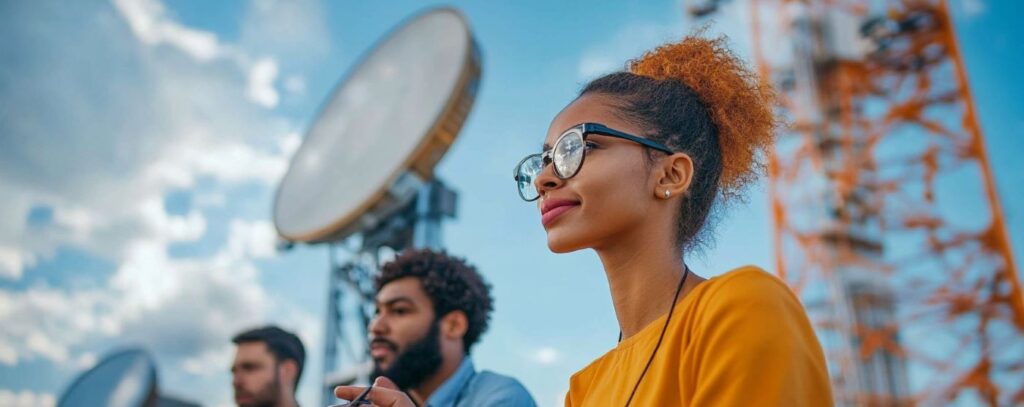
(567, 156)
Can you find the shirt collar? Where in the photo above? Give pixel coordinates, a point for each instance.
(448, 393)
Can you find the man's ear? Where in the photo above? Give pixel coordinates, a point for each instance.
(454, 325)
(675, 176)
(287, 370)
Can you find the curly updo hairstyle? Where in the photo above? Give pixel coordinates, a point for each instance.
(451, 284)
(697, 97)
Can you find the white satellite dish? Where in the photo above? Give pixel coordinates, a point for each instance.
(378, 137)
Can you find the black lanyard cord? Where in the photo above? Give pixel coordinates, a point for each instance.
(660, 337)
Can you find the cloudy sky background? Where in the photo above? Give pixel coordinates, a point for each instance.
(141, 142)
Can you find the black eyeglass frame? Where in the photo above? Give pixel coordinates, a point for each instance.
(584, 129)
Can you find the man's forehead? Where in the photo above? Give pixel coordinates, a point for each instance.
(406, 288)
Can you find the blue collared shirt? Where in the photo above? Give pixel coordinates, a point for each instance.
(469, 388)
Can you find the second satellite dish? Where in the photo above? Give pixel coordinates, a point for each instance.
(379, 135)
(123, 379)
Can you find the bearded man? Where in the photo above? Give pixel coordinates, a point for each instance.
(431, 310)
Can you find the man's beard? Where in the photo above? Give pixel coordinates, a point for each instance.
(268, 395)
(419, 360)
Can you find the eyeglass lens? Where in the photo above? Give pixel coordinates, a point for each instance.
(567, 157)
(568, 154)
(526, 174)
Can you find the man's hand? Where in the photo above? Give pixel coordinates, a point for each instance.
(384, 394)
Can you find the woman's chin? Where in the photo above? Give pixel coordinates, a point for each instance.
(558, 243)
(559, 250)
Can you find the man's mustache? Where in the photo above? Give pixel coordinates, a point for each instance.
(381, 341)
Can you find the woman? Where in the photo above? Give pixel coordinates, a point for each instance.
(637, 163)
(633, 168)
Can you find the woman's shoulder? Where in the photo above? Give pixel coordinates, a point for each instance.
(751, 288)
(748, 278)
(749, 311)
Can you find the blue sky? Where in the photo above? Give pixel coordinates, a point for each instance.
(141, 142)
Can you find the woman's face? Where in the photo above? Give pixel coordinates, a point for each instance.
(610, 196)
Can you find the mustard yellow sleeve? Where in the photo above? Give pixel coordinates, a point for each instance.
(753, 346)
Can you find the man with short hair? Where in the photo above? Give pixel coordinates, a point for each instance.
(267, 367)
(431, 310)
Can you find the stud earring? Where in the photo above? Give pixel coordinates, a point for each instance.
(667, 193)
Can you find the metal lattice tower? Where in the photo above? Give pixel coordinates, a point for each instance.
(887, 222)
(355, 262)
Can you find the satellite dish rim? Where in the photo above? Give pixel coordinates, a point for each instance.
(151, 392)
(463, 93)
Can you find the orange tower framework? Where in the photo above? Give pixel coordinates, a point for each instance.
(887, 222)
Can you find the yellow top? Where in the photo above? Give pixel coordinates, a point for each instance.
(739, 339)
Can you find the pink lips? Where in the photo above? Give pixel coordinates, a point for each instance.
(553, 208)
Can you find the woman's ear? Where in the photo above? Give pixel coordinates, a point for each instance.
(675, 176)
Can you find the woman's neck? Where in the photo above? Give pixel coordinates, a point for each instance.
(643, 274)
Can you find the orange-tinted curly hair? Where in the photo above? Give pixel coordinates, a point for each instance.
(697, 97)
(739, 102)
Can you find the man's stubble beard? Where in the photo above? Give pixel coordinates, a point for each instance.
(269, 395)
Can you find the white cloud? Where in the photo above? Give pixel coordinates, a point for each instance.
(42, 344)
(165, 122)
(147, 276)
(261, 83)
(225, 161)
(85, 361)
(239, 162)
(211, 362)
(151, 25)
(159, 107)
(289, 144)
(76, 219)
(68, 318)
(173, 228)
(26, 398)
(177, 307)
(8, 354)
(254, 239)
(546, 355)
(275, 27)
(11, 263)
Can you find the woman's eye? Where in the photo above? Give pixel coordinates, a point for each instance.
(590, 145)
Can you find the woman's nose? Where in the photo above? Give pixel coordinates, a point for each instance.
(547, 180)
